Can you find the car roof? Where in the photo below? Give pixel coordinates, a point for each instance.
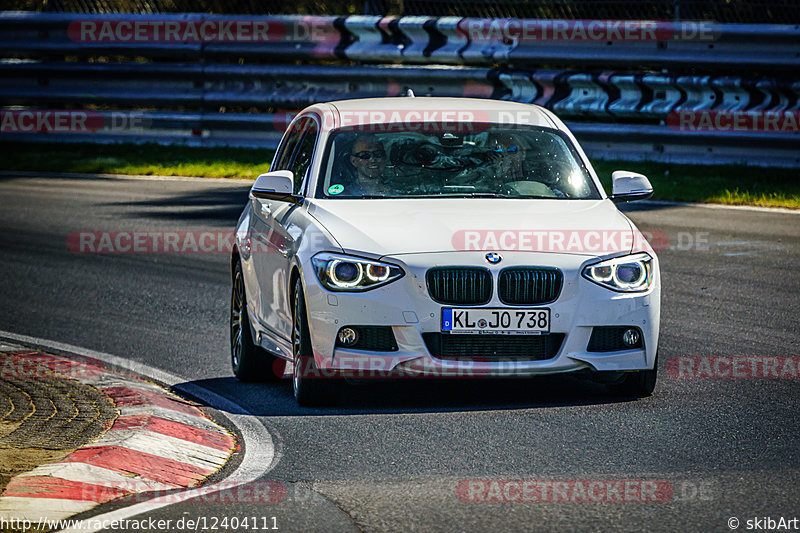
(480, 109)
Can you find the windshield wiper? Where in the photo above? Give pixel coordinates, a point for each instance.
(354, 196)
(537, 197)
(487, 195)
(499, 195)
(454, 195)
(467, 195)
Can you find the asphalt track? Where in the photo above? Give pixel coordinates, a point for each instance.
(392, 455)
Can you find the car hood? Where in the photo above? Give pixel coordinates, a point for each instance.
(405, 226)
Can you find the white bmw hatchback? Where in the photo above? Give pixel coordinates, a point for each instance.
(440, 237)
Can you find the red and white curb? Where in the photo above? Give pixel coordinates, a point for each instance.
(158, 442)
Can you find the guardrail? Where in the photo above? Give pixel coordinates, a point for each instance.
(374, 39)
(600, 141)
(238, 86)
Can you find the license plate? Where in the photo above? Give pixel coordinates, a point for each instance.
(496, 321)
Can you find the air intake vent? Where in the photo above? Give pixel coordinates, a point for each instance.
(373, 338)
(460, 285)
(609, 339)
(493, 347)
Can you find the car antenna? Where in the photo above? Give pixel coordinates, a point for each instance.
(409, 93)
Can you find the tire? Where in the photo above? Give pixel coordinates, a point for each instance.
(311, 386)
(638, 384)
(248, 361)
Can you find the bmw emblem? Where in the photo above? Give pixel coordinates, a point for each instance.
(494, 257)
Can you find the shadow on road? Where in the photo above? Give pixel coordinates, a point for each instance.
(414, 396)
(216, 204)
(646, 206)
(12, 175)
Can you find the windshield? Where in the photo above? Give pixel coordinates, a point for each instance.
(490, 161)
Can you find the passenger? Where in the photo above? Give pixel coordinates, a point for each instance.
(509, 162)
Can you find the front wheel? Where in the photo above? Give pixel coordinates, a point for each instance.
(639, 384)
(248, 361)
(311, 386)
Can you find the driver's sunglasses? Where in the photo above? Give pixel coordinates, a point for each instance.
(375, 154)
(511, 149)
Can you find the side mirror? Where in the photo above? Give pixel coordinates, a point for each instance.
(629, 186)
(277, 185)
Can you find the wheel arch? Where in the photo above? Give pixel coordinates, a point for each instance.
(294, 275)
(235, 258)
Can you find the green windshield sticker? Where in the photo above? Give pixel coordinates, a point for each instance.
(336, 189)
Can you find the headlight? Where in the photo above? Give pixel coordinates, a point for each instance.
(339, 272)
(631, 273)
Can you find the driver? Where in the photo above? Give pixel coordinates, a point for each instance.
(369, 160)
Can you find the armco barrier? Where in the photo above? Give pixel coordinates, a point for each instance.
(600, 141)
(227, 90)
(652, 44)
(370, 34)
(656, 143)
(454, 41)
(287, 37)
(571, 94)
(518, 42)
(226, 84)
(195, 129)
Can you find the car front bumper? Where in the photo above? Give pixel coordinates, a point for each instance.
(407, 308)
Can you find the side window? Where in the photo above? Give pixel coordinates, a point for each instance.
(303, 158)
(284, 160)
